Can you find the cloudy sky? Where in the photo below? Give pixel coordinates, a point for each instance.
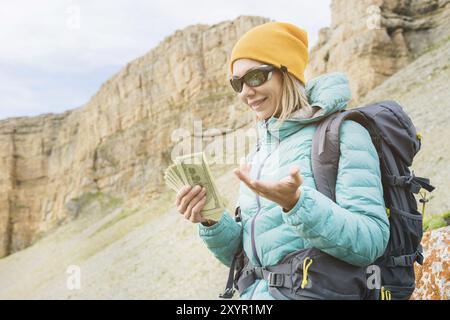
(55, 54)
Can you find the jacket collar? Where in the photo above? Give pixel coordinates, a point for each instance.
(328, 93)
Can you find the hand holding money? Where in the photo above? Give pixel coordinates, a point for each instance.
(190, 202)
(197, 196)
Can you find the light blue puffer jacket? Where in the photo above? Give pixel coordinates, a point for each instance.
(354, 229)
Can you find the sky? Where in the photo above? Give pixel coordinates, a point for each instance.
(55, 54)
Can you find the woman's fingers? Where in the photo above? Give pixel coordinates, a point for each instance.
(183, 191)
(190, 201)
(196, 215)
(274, 191)
(193, 202)
(244, 166)
(186, 199)
(294, 173)
(252, 184)
(243, 177)
(243, 173)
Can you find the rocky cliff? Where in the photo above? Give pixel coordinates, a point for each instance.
(119, 143)
(370, 40)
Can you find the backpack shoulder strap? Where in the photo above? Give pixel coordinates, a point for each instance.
(326, 150)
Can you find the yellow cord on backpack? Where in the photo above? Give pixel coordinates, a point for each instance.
(306, 264)
(385, 294)
(388, 295)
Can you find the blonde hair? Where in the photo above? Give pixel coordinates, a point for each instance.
(294, 99)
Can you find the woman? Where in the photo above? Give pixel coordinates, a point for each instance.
(282, 212)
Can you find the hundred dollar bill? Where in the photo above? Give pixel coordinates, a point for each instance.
(174, 186)
(194, 168)
(172, 177)
(178, 174)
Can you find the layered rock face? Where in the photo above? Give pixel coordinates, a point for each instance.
(118, 143)
(370, 40)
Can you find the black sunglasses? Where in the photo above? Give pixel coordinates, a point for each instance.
(253, 78)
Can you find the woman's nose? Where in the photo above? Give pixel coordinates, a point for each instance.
(247, 91)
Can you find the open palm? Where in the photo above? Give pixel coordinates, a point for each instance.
(285, 192)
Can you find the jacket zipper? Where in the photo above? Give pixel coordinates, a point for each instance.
(258, 201)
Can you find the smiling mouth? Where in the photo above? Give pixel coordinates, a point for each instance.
(258, 103)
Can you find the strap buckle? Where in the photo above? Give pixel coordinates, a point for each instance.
(411, 177)
(398, 181)
(275, 279)
(419, 258)
(411, 182)
(406, 260)
(228, 294)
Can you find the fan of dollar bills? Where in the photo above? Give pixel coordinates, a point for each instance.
(193, 170)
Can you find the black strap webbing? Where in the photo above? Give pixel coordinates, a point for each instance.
(412, 182)
(229, 290)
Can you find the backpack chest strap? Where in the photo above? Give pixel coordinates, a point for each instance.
(276, 276)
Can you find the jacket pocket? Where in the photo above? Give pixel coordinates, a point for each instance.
(406, 232)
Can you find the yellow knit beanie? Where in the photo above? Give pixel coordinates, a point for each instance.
(280, 44)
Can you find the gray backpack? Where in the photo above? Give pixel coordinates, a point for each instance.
(396, 142)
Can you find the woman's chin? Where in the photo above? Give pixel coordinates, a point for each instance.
(262, 115)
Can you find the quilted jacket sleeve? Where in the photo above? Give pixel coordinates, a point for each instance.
(223, 238)
(355, 228)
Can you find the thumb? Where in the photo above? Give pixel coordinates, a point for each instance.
(244, 166)
(294, 173)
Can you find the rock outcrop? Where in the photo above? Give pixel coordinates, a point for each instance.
(118, 143)
(370, 40)
(433, 278)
